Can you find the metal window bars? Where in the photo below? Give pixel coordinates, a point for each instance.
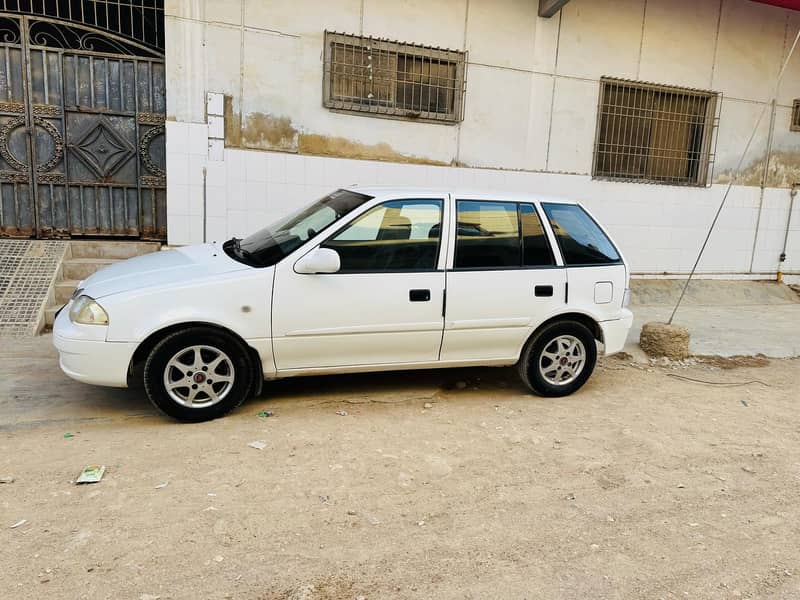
(393, 79)
(795, 125)
(141, 21)
(654, 133)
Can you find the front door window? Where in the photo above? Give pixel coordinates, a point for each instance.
(400, 235)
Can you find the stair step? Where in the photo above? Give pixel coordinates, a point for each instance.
(111, 249)
(81, 268)
(50, 314)
(64, 289)
(82, 259)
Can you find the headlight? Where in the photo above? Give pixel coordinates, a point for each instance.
(86, 311)
(626, 298)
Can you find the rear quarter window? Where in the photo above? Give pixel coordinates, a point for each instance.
(581, 240)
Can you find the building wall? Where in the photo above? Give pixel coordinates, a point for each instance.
(530, 114)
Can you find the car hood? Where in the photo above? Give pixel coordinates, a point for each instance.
(161, 269)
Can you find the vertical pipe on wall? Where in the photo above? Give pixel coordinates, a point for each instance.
(205, 202)
(782, 257)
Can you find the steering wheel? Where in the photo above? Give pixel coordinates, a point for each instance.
(311, 232)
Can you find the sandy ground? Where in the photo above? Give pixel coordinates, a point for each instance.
(643, 485)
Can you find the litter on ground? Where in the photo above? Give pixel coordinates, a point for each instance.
(91, 474)
(258, 445)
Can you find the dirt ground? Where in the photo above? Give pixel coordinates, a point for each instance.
(642, 485)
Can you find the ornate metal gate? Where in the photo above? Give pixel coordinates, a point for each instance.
(82, 148)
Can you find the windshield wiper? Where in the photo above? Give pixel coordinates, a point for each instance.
(237, 244)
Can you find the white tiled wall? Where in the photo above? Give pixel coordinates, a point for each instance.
(187, 156)
(659, 228)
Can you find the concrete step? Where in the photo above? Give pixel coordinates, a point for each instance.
(710, 292)
(81, 268)
(111, 249)
(50, 315)
(64, 289)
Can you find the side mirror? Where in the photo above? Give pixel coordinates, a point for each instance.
(319, 260)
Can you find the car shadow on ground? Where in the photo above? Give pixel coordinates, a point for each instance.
(394, 384)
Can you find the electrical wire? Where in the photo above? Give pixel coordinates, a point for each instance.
(722, 383)
(735, 174)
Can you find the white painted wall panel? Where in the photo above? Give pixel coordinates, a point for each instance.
(490, 27)
(496, 117)
(439, 23)
(573, 125)
(300, 17)
(590, 30)
(679, 53)
(788, 89)
(751, 40)
(223, 59)
(737, 120)
(186, 68)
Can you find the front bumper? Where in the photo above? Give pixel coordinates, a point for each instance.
(615, 332)
(85, 355)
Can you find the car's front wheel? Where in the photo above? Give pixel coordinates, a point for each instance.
(197, 374)
(559, 360)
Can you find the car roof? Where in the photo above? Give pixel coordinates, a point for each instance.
(487, 194)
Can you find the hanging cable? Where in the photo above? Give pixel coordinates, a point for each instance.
(735, 174)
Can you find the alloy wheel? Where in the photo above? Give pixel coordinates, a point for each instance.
(199, 376)
(562, 360)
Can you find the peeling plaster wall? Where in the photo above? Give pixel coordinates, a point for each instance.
(530, 113)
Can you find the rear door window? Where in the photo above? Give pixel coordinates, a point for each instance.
(535, 246)
(487, 235)
(581, 240)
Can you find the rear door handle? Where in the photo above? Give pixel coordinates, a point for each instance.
(543, 291)
(419, 295)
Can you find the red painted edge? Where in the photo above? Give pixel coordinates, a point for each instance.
(790, 4)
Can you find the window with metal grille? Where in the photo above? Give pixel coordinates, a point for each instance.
(795, 126)
(393, 79)
(654, 133)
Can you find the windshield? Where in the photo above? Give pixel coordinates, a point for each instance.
(269, 245)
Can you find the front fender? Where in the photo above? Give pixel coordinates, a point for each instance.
(240, 301)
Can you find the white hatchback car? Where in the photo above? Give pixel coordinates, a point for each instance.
(364, 279)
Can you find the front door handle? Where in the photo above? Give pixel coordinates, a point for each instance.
(419, 295)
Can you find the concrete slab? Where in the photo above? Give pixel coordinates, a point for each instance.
(705, 292)
(724, 318)
(773, 331)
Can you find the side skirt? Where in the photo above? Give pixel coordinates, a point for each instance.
(497, 362)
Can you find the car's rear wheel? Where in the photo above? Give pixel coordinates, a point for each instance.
(559, 359)
(197, 374)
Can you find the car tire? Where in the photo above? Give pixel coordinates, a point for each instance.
(559, 359)
(198, 374)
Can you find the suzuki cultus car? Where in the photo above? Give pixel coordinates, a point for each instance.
(364, 279)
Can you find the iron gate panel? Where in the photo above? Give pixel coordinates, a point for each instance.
(93, 124)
